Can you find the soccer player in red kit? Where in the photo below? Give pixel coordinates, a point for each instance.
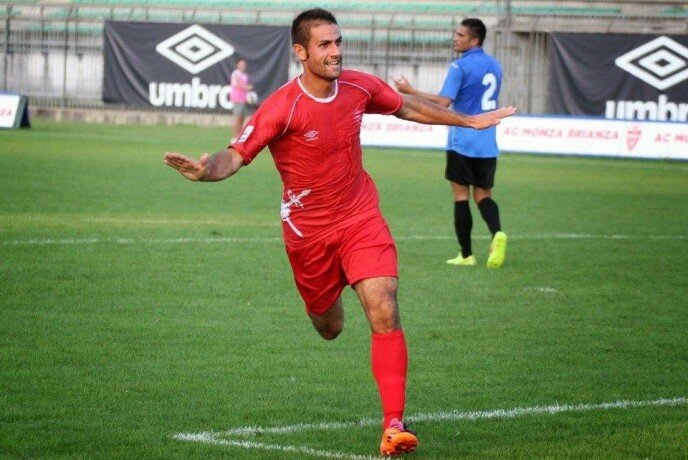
(333, 230)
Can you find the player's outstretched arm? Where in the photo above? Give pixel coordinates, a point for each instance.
(208, 168)
(422, 111)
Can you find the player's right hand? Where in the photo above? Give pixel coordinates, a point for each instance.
(188, 167)
(402, 84)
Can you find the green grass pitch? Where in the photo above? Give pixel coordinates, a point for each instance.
(137, 306)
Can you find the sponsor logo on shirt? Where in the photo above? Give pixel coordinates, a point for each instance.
(286, 208)
(244, 135)
(311, 136)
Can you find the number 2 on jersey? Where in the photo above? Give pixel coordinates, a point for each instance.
(487, 103)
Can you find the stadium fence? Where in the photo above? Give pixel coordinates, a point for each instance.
(53, 52)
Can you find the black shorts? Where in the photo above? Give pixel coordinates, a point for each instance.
(478, 172)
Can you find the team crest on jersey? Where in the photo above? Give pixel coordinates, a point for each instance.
(311, 136)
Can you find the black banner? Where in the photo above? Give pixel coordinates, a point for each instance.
(619, 76)
(189, 66)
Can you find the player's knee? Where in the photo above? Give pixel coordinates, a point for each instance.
(331, 331)
(384, 317)
(328, 328)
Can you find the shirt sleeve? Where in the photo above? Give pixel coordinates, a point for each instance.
(383, 98)
(264, 126)
(452, 83)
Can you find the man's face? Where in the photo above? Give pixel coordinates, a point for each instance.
(463, 40)
(323, 57)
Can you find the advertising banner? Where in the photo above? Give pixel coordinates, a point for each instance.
(548, 135)
(592, 136)
(619, 76)
(174, 65)
(14, 111)
(389, 131)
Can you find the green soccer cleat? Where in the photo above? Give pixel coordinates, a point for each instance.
(497, 251)
(466, 262)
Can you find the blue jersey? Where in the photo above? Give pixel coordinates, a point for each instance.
(473, 83)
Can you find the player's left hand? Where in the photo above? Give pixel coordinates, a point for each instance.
(492, 118)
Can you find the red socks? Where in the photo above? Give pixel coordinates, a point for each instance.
(389, 360)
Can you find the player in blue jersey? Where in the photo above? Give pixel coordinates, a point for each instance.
(471, 86)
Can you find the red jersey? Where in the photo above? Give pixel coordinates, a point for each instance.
(316, 146)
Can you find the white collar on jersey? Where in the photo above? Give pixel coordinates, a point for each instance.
(323, 100)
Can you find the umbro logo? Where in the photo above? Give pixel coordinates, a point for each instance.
(195, 49)
(311, 136)
(661, 62)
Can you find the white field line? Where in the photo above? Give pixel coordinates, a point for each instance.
(545, 289)
(221, 438)
(211, 439)
(129, 241)
(229, 222)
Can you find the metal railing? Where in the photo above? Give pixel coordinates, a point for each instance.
(54, 52)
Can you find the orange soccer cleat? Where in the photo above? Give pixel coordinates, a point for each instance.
(397, 439)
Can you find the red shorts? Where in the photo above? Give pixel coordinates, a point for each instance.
(322, 269)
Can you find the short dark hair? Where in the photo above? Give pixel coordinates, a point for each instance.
(477, 29)
(301, 26)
